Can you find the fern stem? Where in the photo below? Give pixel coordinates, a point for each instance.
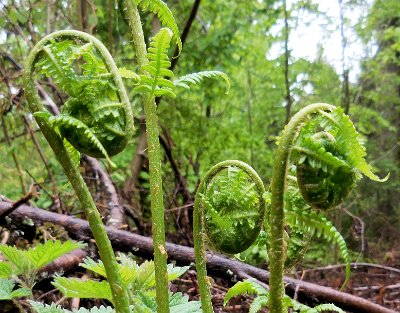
(276, 222)
(154, 153)
(106, 252)
(199, 234)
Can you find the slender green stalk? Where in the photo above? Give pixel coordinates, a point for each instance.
(199, 234)
(72, 172)
(276, 222)
(153, 150)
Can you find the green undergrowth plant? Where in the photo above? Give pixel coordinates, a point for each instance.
(19, 268)
(261, 299)
(97, 119)
(318, 162)
(139, 281)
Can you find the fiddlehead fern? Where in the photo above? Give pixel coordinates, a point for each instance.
(228, 212)
(329, 159)
(96, 119)
(53, 55)
(335, 160)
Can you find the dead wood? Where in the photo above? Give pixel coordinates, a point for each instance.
(217, 264)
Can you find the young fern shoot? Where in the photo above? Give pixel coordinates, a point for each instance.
(328, 165)
(97, 120)
(153, 67)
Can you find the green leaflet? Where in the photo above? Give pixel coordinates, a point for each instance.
(195, 78)
(249, 287)
(140, 281)
(7, 291)
(78, 288)
(34, 258)
(298, 214)
(164, 14)
(137, 277)
(348, 142)
(178, 303)
(154, 83)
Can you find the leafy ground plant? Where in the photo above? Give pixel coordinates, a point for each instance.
(139, 281)
(21, 267)
(323, 147)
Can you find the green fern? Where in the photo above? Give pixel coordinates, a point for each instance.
(298, 214)
(93, 118)
(248, 287)
(196, 78)
(165, 16)
(231, 210)
(348, 141)
(154, 83)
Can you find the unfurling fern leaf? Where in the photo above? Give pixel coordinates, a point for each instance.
(154, 83)
(234, 206)
(329, 162)
(97, 118)
(196, 78)
(299, 216)
(165, 16)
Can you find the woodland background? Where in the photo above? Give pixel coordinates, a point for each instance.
(204, 126)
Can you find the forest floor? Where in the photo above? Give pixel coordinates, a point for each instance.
(379, 284)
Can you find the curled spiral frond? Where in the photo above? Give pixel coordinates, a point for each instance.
(233, 206)
(330, 162)
(97, 118)
(229, 211)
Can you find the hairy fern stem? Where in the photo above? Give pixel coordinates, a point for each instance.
(276, 218)
(71, 171)
(156, 189)
(199, 227)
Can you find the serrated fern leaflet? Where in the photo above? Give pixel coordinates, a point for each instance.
(154, 83)
(196, 78)
(164, 14)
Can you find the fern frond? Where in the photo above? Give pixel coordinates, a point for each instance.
(154, 83)
(79, 130)
(348, 141)
(73, 153)
(316, 223)
(165, 16)
(258, 304)
(196, 78)
(54, 63)
(125, 73)
(330, 307)
(245, 287)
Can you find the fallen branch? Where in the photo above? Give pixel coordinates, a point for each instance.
(143, 246)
